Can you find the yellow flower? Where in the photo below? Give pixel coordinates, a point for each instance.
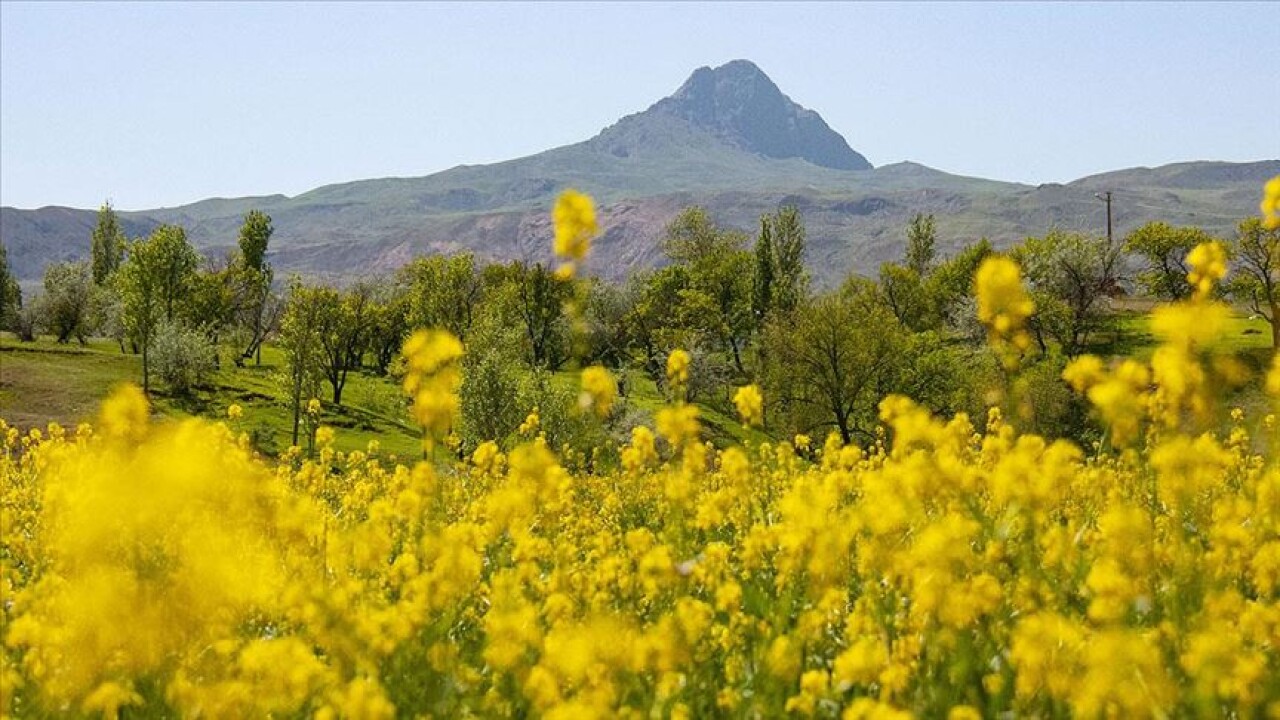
(531, 422)
(124, 413)
(1084, 372)
(1271, 203)
(574, 217)
(234, 412)
(599, 390)
(108, 698)
(1208, 263)
(432, 380)
(324, 436)
(1003, 305)
(678, 369)
(678, 424)
(313, 406)
(750, 404)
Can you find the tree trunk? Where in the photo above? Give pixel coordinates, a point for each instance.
(297, 413)
(737, 357)
(1275, 328)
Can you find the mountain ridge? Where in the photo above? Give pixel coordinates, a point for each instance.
(728, 139)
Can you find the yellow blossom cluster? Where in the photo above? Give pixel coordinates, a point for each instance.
(432, 379)
(599, 390)
(1003, 306)
(750, 404)
(1208, 262)
(1271, 203)
(574, 218)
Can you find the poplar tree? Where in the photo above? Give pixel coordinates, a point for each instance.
(107, 249)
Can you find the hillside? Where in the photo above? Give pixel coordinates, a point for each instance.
(728, 139)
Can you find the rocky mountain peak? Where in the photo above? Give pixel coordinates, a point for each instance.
(739, 104)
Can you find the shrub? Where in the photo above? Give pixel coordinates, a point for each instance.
(183, 358)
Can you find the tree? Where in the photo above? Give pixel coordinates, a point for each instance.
(107, 249)
(107, 311)
(211, 304)
(540, 298)
(183, 357)
(443, 292)
(173, 263)
(1163, 249)
(300, 340)
(388, 324)
(791, 281)
(491, 375)
(155, 282)
(717, 299)
(1070, 275)
(829, 363)
(68, 300)
(950, 285)
(607, 323)
(762, 290)
(255, 234)
(10, 293)
(340, 330)
(917, 298)
(922, 240)
(905, 293)
(252, 276)
(1257, 278)
(651, 295)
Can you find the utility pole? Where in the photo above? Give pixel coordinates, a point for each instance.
(1106, 197)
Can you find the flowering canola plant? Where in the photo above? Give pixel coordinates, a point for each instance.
(958, 568)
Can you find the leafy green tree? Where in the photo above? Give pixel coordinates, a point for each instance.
(300, 332)
(762, 290)
(155, 284)
(540, 298)
(388, 324)
(255, 235)
(183, 357)
(1256, 281)
(907, 297)
(252, 276)
(922, 241)
(107, 311)
(717, 299)
(108, 244)
(211, 304)
(950, 284)
(1071, 275)
(67, 300)
(340, 331)
(607, 323)
(790, 279)
(491, 380)
(1163, 249)
(828, 364)
(652, 294)
(443, 292)
(941, 373)
(173, 262)
(10, 292)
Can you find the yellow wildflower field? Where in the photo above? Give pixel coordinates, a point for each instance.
(954, 568)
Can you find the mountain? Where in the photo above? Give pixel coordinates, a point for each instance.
(728, 139)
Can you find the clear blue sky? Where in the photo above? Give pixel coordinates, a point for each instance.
(157, 104)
